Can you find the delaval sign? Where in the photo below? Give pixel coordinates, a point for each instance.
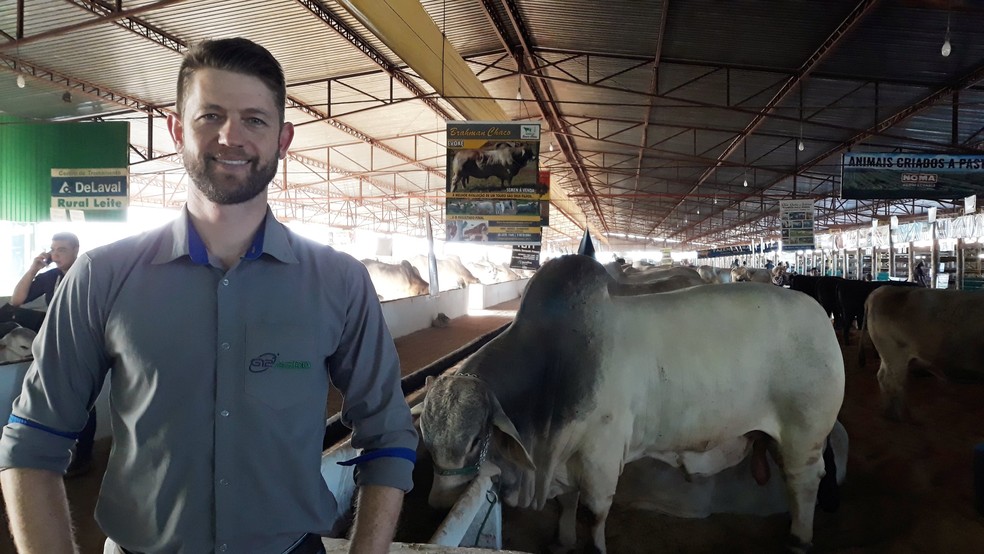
(89, 189)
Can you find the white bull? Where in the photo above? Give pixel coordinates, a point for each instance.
(583, 383)
(16, 345)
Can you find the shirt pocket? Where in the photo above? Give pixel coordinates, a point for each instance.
(282, 365)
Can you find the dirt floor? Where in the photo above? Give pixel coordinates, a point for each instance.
(909, 486)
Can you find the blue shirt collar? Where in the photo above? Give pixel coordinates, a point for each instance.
(271, 238)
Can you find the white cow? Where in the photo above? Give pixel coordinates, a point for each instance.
(714, 275)
(451, 273)
(16, 345)
(751, 274)
(583, 383)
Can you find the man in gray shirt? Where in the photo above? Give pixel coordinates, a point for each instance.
(220, 334)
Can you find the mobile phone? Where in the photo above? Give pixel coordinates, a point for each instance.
(47, 258)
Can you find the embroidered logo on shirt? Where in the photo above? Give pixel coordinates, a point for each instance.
(265, 361)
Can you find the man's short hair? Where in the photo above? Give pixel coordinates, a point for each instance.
(70, 238)
(238, 55)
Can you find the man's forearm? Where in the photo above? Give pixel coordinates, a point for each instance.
(376, 516)
(22, 288)
(38, 511)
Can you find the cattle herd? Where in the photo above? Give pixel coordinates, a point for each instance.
(607, 364)
(407, 278)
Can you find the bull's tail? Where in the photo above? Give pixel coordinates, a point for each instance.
(863, 336)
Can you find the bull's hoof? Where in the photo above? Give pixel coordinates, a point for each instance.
(560, 549)
(797, 546)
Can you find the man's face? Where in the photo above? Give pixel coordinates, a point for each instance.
(63, 254)
(229, 135)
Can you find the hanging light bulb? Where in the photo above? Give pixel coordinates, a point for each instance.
(551, 147)
(698, 211)
(745, 184)
(519, 93)
(21, 83)
(945, 50)
(801, 146)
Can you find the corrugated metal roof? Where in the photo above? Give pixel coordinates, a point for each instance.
(721, 64)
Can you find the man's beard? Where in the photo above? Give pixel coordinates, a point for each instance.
(219, 189)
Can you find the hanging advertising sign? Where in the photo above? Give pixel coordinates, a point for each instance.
(494, 190)
(89, 189)
(796, 224)
(525, 256)
(903, 175)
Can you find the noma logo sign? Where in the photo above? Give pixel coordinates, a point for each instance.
(268, 360)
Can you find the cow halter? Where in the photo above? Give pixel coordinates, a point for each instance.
(474, 468)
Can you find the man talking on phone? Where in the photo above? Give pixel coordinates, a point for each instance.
(64, 251)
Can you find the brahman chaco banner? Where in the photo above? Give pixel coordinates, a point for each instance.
(494, 193)
(796, 217)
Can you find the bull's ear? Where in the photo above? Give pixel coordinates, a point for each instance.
(510, 445)
(427, 381)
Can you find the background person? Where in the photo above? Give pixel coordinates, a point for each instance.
(64, 251)
(921, 276)
(220, 333)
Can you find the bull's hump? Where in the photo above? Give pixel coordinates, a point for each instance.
(563, 288)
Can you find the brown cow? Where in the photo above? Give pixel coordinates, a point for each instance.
(918, 328)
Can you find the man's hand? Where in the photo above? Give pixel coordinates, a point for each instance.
(41, 262)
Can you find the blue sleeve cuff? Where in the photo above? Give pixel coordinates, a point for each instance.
(45, 428)
(405, 453)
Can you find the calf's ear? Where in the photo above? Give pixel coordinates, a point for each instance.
(507, 440)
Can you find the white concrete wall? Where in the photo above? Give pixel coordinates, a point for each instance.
(483, 296)
(406, 315)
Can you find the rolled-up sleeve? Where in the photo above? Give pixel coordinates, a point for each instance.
(366, 369)
(63, 381)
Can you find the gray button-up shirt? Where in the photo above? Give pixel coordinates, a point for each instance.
(219, 382)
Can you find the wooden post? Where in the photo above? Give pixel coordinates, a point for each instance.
(960, 263)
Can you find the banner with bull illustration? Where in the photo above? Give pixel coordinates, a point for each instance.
(796, 224)
(905, 175)
(494, 191)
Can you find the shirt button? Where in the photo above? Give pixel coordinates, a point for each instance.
(225, 346)
(223, 481)
(225, 282)
(224, 413)
(222, 547)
